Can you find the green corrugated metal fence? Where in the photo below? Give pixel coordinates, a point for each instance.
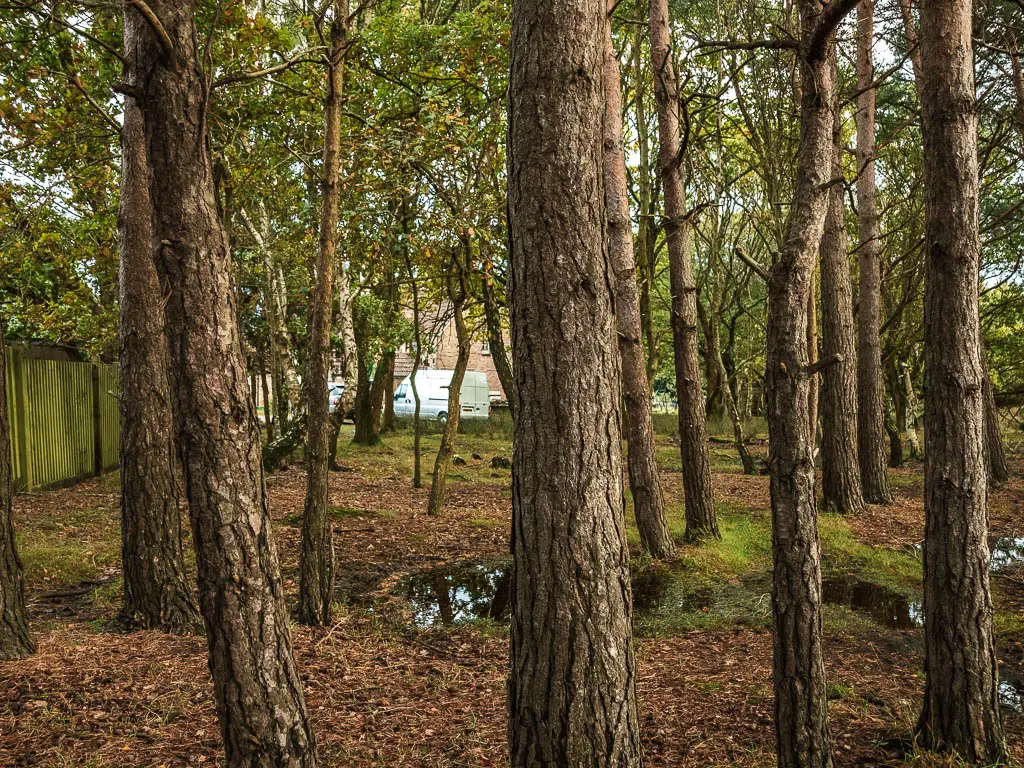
(64, 418)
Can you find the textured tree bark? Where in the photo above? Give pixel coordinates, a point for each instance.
(572, 680)
(870, 390)
(961, 706)
(316, 558)
(910, 412)
(379, 389)
(365, 432)
(701, 520)
(256, 685)
(648, 500)
(840, 466)
(801, 707)
(157, 594)
(15, 639)
(457, 295)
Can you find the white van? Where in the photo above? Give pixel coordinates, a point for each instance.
(432, 386)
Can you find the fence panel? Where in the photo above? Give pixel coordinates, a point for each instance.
(64, 420)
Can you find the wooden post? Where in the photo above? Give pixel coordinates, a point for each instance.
(97, 421)
(20, 421)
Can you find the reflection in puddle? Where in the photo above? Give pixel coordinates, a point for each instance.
(1011, 694)
(447, 596)
(1007, 553)
(882, 604)
(472, 591)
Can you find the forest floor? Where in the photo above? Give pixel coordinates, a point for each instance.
(413, 671)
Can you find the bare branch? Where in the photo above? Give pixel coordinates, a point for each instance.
(756, 268)
(156, 25)
(240, 77)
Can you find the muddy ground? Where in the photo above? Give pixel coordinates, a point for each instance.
(413, 671)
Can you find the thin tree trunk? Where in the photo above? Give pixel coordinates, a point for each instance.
(648, 500)
(268, 418)
(257, 688)
(801, 697)
(378, 390)
(157, 593)
(644, 239)
(995, 454)
(870, 390)
(701, 520)
(275, 294)
(961, 701)
(457, 294)
(840, 465)
(571, 692)
(362, 414)
(812, 356)
(15, 639)
(387, 418)
(417, 424)
(495, 337)
(316, 558)
(910, 426)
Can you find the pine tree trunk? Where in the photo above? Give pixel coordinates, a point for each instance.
(648, 500)
(701, 520)
(157, 593)
(870, 390)
(15, 639)
(571, 690)
(316, 558)
(257, 688)
(840, 466)
(457, 294)
(995, 454)
(362, 413)
(801, 697)
(495, 337)
(961, 704)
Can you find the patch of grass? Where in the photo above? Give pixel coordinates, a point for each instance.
(838, 691)
(745, 546)
(1009, 622)
(340, 513)
(75, 546)
(897, 569)
(485, 522)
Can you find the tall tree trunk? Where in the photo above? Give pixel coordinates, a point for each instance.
(571, 690)
(15, 639)
(995, 454)
(417, 329)
(911, 411)
(156, 591)
(701, 520)
(268, 418)
(379, 389)
(961, 702)
(495, 336)
(275, 300)
(457, 294)
(257, 688)
(387, 418)
(870, 390)
(645, 253)
(362, 413)
(316, 558)
(812, 356)
(801, 697)
(840, 466)
(648, 500)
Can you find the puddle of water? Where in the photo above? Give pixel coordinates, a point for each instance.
(1011, 693)
(467, 592)
(1005, 553)
(447, 596)
(887, 607)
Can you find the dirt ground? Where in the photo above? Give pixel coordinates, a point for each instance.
(385, 692)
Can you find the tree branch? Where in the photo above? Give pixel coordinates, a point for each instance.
(156, 24)
(754, 266)
(240, 77)
(825, 24)
(748, 45)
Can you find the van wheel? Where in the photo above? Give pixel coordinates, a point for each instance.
(442, 417)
